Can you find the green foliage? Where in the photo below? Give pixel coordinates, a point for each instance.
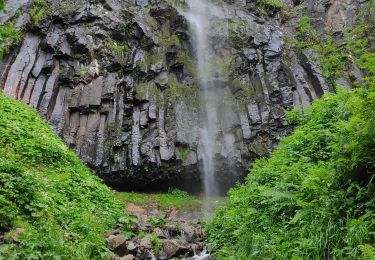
(167, 40)
(313, 198)
(238, 33)
(174, 198)
(359, 42)
(156, 243)
(269, 6)
(187, 62)
(367, 252)
(46, 190)
(305, 32)
(121, 51)
(334, 58)
(2, 5)
(172, 94)
(9, 37)
(37, 11)
(157, 221)
(83, 70)
(182, 152)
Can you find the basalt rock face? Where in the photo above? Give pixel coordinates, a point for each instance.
(115, 79)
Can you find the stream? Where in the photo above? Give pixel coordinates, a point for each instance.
(161, 232)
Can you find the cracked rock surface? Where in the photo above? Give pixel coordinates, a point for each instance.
(115, 79)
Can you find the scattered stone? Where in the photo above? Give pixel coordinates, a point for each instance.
(175, 248)
(171, 213)
(117, 244)
(159, 233)
(135, 210)
(131, 246)
(189, 232)
(157, 213)
(146, 243)
(127, 257)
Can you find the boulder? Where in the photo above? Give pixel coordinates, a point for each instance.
(159, 233)
(127, 257)
(146, 243)
(189, 232)
(131, 246)
(174, 248)
(117, 243)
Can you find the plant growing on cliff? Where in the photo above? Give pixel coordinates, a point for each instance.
(121, 51)
(269, 6)
(335, 59)
(9, 36)
(37, 11)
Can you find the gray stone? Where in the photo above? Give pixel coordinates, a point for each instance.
(117, 243)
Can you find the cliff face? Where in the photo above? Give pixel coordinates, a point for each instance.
(116, 80)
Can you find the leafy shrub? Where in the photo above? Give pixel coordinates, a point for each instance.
(313, 198)
(157, 221)
(45, 190)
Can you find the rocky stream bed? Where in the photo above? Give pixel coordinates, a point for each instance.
(170, 233)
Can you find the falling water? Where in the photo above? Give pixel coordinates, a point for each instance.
(201, 15)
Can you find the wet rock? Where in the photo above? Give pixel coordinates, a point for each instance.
(117, 243)
(189, 232)
(145, 243)
(127, 257)
(131, 246)
(135, 210)
(175, 248)
(159, 233)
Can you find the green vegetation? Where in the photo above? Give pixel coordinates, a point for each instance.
(49, 201)
(121, 51)
(83, 70)
(238, 33)
(182, 152)
(177, 198)
(2, 5)
(269, 6)
(157, 221)
(334, 58)
(10, 36)
(168, 40)
(37, 12)
(314, 197)
(360, 43)
(171, 94)
(188, 63)
(156, 243)
(247, 92)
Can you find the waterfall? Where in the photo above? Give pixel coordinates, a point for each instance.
(201, 16)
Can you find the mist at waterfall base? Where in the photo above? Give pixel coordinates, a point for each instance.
(210, 81)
